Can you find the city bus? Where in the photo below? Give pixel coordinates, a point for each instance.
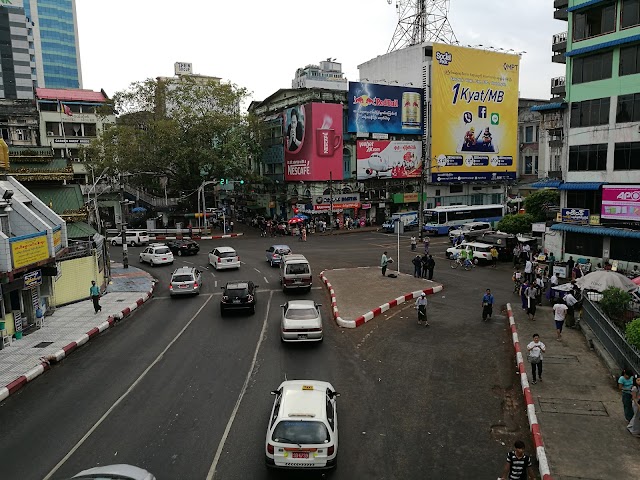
(440, 220)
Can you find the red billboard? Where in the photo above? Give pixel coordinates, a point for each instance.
(313, 142)
(388, 159)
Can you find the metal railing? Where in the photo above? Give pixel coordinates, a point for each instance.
(77, 249)
(560, 38)
(613, 340)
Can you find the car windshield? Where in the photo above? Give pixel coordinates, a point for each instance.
(301, 314)
(281, 251)
(226, 254)
(297, 268)
(162, 251)
(237, 292)
(182, 278)
(300, 432)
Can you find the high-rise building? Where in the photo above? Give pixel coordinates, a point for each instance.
(17, 69)
(55, 42)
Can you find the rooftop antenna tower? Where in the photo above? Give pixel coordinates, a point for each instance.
(421, 21)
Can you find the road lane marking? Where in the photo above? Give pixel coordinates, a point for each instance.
(190, 263)
(216, 284)
(227, 429)
(125, 394)
(265, 279)
(256, 270)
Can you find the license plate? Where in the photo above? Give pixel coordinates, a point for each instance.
(297, 281)
(236, 301)
(184, 286)
(302, 336)
(300, 455)
(164, 258)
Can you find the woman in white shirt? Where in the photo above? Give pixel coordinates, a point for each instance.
(536, 349)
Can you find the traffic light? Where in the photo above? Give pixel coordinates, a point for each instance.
(222, 181)
(296, 210)
(241, 182)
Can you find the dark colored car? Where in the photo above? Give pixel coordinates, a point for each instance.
(504, 243)
(183, 247)
(238, 296)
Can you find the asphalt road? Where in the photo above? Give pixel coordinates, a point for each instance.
(184, 393)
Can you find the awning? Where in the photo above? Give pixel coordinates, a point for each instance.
(581, 185)
(603, 46)
(602, 231)
(548, 106)
(545, 184)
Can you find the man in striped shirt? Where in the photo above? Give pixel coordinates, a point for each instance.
(518, 466)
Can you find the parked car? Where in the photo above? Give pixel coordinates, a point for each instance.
(238, 296)
(185, 281)
(302, 432)
(469, 228)
(275, 253)
(481, 251)
(183, 247)
(504, 243)
(224, 257)
(156, 254)
(301, 321)
(134, 237)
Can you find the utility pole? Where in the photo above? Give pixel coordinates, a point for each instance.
(421, 212)
(331, 201)
(123, 225)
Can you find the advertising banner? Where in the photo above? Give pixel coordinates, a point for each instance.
(621, 202)
(388, 159)
(28, 249)
(57, 238)
(377, 108)
(475, 114)
(575, 215)
(313, 142)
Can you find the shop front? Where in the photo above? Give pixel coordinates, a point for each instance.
(345, 206)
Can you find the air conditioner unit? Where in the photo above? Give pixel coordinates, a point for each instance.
(49, 134)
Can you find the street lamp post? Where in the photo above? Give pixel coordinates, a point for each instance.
(331, 202)
(123, 226)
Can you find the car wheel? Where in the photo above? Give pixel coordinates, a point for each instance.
(221, 311)
(151, 264)
(179, 253)
(141, 261)
(114, 243)
(253, 310)
(271, 263)
(132, 244)
(215, 266)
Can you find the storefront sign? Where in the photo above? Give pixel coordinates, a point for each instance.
(338, 198)
(538, 227)
(32, 279)
(621, 202)
(17, 320)
(594, 219)
(336, 206)
(57, 238)
(83, 141)
(410, 197)
(366, 206)
(29, 249)
(575, 215)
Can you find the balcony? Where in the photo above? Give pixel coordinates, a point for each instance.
(560, 3)
(559, 42)
(561, 14)
(553, 120)
(558, 86)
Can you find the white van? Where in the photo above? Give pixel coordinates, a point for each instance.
(134, 237)
(295, 273)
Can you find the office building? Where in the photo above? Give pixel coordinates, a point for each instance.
(18, 68)
(327, 75)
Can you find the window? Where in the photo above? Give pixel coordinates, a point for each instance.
(594, 21)
(629, 60)
(588, 157)
(528, 134)
(591, 199)
(626, 156)
(531, 165)
(630, 14)
(590, 112)
(625, 249)
(455, 189)
(628, 109)
(592, 67)
(21, 134)
(583, 245)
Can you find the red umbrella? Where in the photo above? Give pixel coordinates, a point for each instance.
(295, 220)
(636, 280)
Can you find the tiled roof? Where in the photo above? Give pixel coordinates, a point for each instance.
(61, 199)
(80, 230)
(70, 95)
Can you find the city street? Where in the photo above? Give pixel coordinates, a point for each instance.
(184, 393)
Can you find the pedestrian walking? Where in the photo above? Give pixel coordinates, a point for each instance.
(384, 261)
(625, 383)
(421, 307)
(536, 348)
(528, 270)
(559, 314)
(532, 299)
(426, 245)
(417, 266)
(523, 296)
(431, 263)
(516, 255)
(494, 256)
(518, 466)
(487, 305)
(634, 424)
(414, 243)
(304, 234)
(571, 301)
(94, 292)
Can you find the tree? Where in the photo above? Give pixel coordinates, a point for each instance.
(516, 223)
(614, 302)
(538, 203)
(184, 131)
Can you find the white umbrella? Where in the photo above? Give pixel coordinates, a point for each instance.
(600, 280)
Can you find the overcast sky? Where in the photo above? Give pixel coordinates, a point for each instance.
(259, 44)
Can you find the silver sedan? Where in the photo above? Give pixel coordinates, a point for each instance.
(301, 321)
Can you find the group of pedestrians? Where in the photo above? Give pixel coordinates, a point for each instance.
(423, 266)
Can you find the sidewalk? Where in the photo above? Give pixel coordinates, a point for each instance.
(70, 327)
(578, 407)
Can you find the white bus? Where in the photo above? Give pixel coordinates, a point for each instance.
(440, 220)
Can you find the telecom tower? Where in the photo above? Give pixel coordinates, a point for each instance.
(421, 21)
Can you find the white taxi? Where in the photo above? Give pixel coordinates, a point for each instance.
(481, 251)
(303, 426)
(156, 254)
(224, 257)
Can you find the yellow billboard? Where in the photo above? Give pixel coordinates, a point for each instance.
(57, 238)
(474, 114)
(29, 249)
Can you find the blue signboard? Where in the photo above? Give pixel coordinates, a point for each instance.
(446, 177)
(377, 108)
(575, 215)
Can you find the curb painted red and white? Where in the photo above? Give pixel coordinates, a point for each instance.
(196, 237)
(38, 370)
(543, 463)
(362, 319)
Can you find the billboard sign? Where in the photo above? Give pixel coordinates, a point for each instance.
(29, 249)
(575, 215)
(377, 108)
(475, 114)
(313, 142)
(388, 159)
(621, 202)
